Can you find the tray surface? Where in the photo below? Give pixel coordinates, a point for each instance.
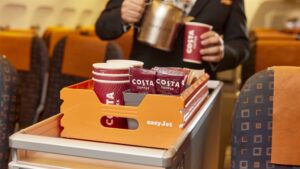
(44, 137)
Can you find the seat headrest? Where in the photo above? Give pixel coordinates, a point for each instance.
(17, 47)
(285, 125)
(86, 30)
(278, 53)
(80, 53)
(53, 35)
(274, 36)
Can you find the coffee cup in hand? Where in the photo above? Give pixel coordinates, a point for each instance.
(192, 41)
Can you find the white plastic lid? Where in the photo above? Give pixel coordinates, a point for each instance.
(131, 62)
(111, 66)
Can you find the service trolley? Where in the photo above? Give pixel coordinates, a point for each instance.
(40, 147)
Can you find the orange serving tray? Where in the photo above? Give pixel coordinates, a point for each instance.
(160, 118)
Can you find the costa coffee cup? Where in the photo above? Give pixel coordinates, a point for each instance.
(111, 68)
(133, 63)
(111, 92)
(192, 41)
(110, 77)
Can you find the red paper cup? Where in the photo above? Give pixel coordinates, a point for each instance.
(133, 63)
(192, 41)
(111, 68)
(114, 122)
(110, 77)
(111, 92)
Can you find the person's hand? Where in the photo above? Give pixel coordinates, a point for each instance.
(214, 47)
(132, 10)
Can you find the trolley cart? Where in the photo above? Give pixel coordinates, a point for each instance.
(40, 147)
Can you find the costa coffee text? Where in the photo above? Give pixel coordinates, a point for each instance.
(110, 99)
(142, 82)
(109, 121)
(190, 41)
(168, 83)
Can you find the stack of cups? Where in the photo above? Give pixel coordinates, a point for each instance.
(110, 80)
(132, 124)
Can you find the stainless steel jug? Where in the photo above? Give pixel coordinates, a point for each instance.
(160, 25)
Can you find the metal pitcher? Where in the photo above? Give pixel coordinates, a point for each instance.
(160, 25)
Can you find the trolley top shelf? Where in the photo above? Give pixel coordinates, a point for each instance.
(32, 138)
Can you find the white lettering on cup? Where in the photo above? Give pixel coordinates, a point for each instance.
(110, 97)
(190, 41)
(109, 120)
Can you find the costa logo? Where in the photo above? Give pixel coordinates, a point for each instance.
(109, 121)
(168, 83)
(110, 98)
(190, 41)
(140, 82)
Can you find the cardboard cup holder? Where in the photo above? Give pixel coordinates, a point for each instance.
(153, 120)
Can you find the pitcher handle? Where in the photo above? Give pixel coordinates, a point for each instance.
(149, 2)
(135, 27)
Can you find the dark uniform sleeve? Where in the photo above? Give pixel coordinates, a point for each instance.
(235, 37)
(109, 24)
